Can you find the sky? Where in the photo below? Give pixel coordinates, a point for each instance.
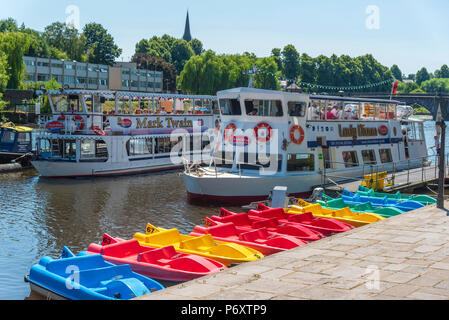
(410, 33)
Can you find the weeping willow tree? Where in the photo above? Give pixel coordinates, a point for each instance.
(13, 46)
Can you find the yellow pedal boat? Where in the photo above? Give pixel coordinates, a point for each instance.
(225, 252)
(344, 215)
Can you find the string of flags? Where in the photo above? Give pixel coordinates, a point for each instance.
(319, 86)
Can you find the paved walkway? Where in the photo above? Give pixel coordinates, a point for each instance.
(405, 257)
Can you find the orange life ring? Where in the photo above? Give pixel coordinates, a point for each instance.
(81, 120)
(301, 134)
(229, 136)
(98, 131)
(263, 125)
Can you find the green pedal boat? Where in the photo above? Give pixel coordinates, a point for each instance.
(424, 199)
(386, 212)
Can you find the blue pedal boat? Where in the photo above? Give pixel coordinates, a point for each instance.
(87, 277)
(405, 206)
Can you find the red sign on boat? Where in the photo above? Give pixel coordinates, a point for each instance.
(55, 125)
(241, 140)
(383, 130)
(125, 123)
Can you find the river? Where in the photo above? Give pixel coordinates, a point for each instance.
(39, 216)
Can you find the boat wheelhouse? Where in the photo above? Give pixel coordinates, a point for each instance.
(273, 138)
(15, 142)
(106, 133)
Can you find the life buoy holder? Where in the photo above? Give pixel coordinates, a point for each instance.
(98, 131)
(263, 125)
(293, 130)
(81, 125)
(229, 132)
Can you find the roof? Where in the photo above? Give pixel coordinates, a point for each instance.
(17, 128)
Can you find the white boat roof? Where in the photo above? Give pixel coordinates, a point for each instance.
(311, 96)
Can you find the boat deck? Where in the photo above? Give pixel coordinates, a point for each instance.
(404, 257)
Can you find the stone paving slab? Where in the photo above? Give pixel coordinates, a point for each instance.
(405, 257)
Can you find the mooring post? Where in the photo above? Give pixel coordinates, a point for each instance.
(442, 162)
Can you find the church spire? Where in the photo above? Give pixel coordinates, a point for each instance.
(187, 36)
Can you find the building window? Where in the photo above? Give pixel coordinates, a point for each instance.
(42, 77)
(350, 158)
(81, 68)
(29, 63)
(81, 80)
(103, 70)
(69, 79)
(42, 64)
(385, 155)
(93, 81)
(103, 82)
(369, 157)
(56, 65)
(125, 83)
(301, 162)
(134, 83)
(68, 66)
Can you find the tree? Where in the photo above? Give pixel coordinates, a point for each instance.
(181, 52)
(421, 76)
(308, 69)
(397, 73)
(436, 86)
(443, 72)
(14, 45)
(197, 46)
(145, 61)
(66, 39)
(100, 45)
(8, 25)
(277, 55)
(290, 62)
(267, 79)
(4, 71)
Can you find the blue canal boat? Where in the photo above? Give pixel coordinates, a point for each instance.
(15, 143)
(87, 277)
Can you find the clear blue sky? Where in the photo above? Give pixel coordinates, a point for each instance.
(412, 33)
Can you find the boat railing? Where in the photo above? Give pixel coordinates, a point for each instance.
(404, 172)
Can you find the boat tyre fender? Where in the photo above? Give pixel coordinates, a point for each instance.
(81, 125)
(293, 136)
(229, 132)
(98, 131)
(263, 125)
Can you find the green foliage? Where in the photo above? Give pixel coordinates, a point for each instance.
(407, 87)
(267, 80)
(290, 62)
(418, 91)
(3, 104)
(14, 45)
(443, 72)
(420, 109)
(181, 52)
(4, 71)
(66, 40)
(100, 45)
(197, 46)
(422, 75)
(436, 85)
(397, 73)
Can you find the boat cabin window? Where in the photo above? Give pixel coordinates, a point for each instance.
(414, 131)
(44, 146)
(230, 107)
(255, 161)
(385, 155)
(369, 157)
(350, 159)
(138, 147)
(264, 108)
(24, 137)
(8, 137)
(300, 162)
(164, 145)
(296, 109)
(93, 149)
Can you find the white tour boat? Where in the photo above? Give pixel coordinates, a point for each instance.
(273, 138)
(141, 132)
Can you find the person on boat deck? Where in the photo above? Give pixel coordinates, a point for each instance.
(405, 140)
(163, 111)
(330, 114)
(253, 112)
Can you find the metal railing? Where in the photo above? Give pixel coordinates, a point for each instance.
(403, 172)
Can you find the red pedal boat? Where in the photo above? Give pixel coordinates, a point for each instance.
(258, 239)
(244, 222)
(159, 263)
(326, 226)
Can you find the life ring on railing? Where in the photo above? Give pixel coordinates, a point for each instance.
(263, 125)
(229, 136)
(81, 125)
(293, 136)
(98, 131)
